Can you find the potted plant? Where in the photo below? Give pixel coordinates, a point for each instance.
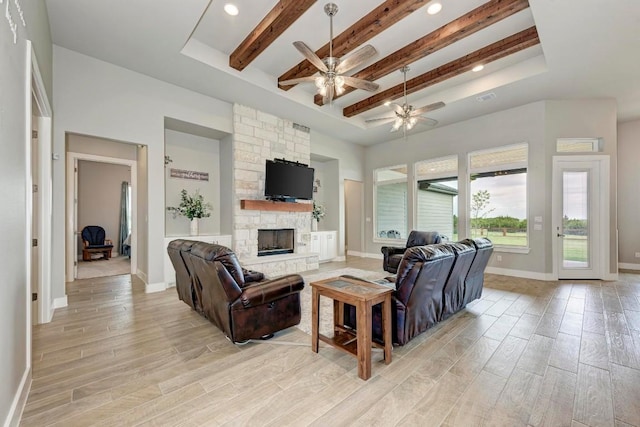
(317, 213)
(193, 207)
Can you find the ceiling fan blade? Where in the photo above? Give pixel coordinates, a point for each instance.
(381, 120)
(430, 107)
(311, 56)
(298, 80)
(361, 83)
(397, 108)
(425, 120)
(349, 62)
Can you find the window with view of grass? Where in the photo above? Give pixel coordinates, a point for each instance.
(498, 195)
(437, 196)
(390, 192)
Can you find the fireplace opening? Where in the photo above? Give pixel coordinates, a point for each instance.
(275, 241)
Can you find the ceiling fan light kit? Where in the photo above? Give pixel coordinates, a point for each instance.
(331, 81)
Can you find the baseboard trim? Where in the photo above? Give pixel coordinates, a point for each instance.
(142, 275)
(154, 287)
(19, 400)
(547, 277)
(628, 266)
(369, 255)
(59, 303)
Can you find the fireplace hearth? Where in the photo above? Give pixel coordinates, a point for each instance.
(275, 241)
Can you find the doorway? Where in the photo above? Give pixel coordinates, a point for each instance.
(353, 209)
(580, 230)
(127, 265)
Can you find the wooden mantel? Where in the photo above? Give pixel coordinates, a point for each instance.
(271, 205)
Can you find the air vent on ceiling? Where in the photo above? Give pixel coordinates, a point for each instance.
(486, 97)
(302, 128)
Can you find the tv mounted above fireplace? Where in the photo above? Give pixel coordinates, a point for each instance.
(287, 181)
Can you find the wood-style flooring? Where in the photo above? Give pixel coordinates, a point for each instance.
(528, 353)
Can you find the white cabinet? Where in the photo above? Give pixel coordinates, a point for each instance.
(169, 272)
(325, 244)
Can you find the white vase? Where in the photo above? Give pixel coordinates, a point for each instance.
(193, 230)
(314, 224)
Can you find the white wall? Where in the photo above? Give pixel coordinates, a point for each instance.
(194, 153)
(348, 164)
(15, 125)
(101, 99)
(538, 124)
(628, 193)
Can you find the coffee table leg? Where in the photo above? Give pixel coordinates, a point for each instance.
(386, 328)
(363, 316)
(315, 318)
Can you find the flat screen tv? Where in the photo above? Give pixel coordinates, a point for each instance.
(288, 180)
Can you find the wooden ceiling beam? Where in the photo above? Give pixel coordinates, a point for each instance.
(379, 19)
(456, 30)
(487, 54)
(283, 14)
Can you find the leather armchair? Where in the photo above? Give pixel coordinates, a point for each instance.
(185, 285)
(237, 300)
(393, 254)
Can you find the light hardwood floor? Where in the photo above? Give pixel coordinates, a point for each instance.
(528, 353)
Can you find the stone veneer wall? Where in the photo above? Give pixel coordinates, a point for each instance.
(259, 136)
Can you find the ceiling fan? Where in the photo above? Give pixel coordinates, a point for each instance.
(332, 80)
(405, 115)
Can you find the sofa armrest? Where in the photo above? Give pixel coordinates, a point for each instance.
(252, 276)
(392, 250)
(271, 290)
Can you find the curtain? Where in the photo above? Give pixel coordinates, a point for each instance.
(124, 241)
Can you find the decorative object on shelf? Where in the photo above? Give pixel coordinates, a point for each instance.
(185, 174)
(193, 227)
(317, 213)
(193, 207)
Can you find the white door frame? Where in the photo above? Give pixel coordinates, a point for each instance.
(71, 228)
(37, 94)
(601, 251)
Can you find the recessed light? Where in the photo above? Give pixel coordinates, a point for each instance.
(477, 68)
(434, 8)
(231, 9)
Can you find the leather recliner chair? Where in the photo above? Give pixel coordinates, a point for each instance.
(235, 302)
(393, 254)
(474, 281)
(465, 253)
(187, 291)
(417, 301)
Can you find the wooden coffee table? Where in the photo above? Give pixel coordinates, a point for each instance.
(362, 295)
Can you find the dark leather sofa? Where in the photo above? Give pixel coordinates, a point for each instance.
(432, 283)
(240, 302)
(393, 254)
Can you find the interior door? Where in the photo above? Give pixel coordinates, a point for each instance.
(578, 227)
(35, 218)
(353, 194)
(76, 232)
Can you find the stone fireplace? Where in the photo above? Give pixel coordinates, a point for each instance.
(275, 241)
(258, 137)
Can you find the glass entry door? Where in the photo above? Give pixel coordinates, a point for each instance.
(577, 229)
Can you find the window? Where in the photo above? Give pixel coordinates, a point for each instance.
(498, 201)
(437, 196)
(390, 192)
(578, 145)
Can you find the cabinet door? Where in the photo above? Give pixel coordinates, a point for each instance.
(332, 245)
(315, 242)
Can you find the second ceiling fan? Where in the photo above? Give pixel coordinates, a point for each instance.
(332, 80)
(406, 117)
